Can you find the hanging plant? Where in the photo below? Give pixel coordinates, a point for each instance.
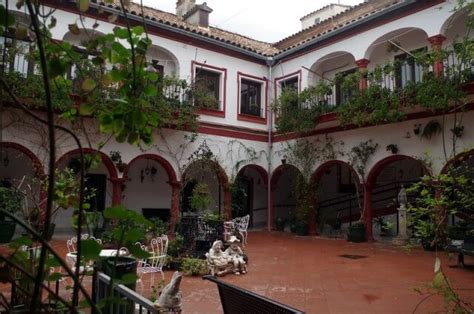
(417, 129)
(392, 148)
(458, 130)
(431, 128)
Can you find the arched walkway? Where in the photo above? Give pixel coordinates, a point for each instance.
(339, 196)
(210, 173)
(101, 178)
(21, 169)
(385, 180)
(150, 188)
(249, 195)
(283, 196)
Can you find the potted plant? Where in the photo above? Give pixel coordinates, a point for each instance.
(116, 157)
(280, 223)
(392, 148)
(417, 129)
(10, 202)
(175, 252)
(201, 198)
(383, 226)
(458, 130)
(357, 232)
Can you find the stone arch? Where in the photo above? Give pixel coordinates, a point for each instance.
(337, 186)
(330, 63)
(165, 58)
(381, 164)
(409, 36)
(453, 22)
(261, 171)
(108, 163)
(36, 162)
(162, 161)
(274, 204)
(250, 195)
(384, 182)
(223, 182)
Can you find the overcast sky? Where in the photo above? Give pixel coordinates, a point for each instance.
(267, 20)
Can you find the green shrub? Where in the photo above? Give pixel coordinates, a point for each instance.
(194, 266)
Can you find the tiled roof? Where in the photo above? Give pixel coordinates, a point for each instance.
(326, 6)
(340, 20)
(170, 19)
(350, 16)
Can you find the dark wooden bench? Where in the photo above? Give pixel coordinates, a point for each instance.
(464, 249)
(236, 300)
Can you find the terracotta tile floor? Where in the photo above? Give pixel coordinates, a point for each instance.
(309, 274)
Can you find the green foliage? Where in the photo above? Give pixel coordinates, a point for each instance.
(176, 246)
(438, 197)
(194, 266)
(433, 127)
(158, 226)
(10, 201)
(201, 198)
(31, 90)
(360, 155)
(299, 112)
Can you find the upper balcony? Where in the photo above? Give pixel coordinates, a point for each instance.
(402, 72)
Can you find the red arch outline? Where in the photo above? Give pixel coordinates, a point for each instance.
(458, 158)
(318, 173)
(381, 164)
(172, 178)
(37, 165)
(108, 163)
(276, 174)
(261, 171)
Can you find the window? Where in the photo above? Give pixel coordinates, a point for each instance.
(251, 98)
(207, 89)
(407, 70)
(291, 85)
(343, 95)
(16, 51)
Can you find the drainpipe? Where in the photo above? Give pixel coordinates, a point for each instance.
(270, 63)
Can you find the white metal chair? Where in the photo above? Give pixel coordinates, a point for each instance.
(71, 256)
(159, 248)
(240, 224)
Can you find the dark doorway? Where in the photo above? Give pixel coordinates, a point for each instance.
(242, 198)
(98, 184)
(187, 193)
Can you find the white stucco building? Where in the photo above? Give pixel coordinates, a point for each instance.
(248, 75)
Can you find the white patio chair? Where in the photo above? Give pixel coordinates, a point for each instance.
(159, 248)
(71, 256)
(241, 224)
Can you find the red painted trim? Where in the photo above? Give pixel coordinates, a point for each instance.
(223, 72)
(156, 31)
(261, 171)
(330, 117)
(359, 30)
(250, 118)
(162, 161)
(456, 159)
(35, 161)
(381, 164)
(219, 131)
(221, 175)
(108, 163)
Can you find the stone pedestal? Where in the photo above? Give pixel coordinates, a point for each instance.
(402, 237)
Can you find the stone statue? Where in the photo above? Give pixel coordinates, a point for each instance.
(218, 261)
(170, 297)
(402, 197)
(236, 256)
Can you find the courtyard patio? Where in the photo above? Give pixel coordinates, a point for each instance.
(321, 275)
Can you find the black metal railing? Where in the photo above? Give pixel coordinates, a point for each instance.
(130, 301)
(199, 235)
